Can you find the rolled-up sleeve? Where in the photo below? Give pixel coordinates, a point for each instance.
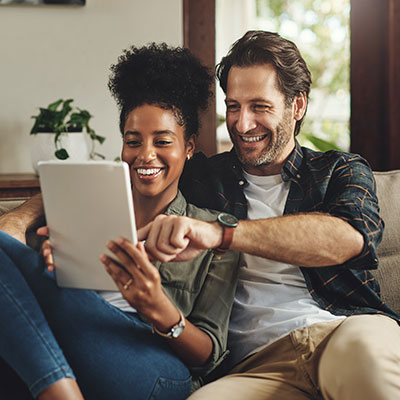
(351, 195)
(213, 306)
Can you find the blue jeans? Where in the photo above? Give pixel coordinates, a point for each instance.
(48, 333)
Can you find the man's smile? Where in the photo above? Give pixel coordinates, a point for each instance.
(250, 139)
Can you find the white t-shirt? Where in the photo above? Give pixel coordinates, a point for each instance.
(272, 298)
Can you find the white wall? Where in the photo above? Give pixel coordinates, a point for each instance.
(243, 13)
(52, 52)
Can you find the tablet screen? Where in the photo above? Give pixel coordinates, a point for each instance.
(86, 204)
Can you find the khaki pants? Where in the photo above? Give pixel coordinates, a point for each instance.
(350, 359)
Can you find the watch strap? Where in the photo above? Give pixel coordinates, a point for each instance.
(170, 334)
(227, 237)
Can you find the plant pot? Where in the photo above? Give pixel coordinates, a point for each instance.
(43, 148)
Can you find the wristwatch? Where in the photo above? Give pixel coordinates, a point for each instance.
(229, 223)
(175, 331)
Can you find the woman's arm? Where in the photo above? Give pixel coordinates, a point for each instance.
(140, 284)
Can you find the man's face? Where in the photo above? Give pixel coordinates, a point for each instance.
(260, 124)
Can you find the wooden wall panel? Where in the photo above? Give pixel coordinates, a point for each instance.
(393, 151)
(375, 81)
(199, 36)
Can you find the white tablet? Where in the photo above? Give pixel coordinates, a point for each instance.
(86, 204)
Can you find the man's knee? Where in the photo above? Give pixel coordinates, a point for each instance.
(362, 360)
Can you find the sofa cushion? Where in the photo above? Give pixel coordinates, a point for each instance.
(388, 274)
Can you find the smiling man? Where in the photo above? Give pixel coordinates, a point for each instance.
(307, 321)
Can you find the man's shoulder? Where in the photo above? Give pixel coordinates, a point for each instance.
(332, 160)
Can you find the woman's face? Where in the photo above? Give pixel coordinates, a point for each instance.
(155, 149)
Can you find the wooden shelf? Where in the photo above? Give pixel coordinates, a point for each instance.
(18, 186)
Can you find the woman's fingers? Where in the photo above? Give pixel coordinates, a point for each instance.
(121, 277)
(46, 251)
(137, 279)
(47, 255)
(134, 258)
(120, 251)
(139, 257)
(43, 231)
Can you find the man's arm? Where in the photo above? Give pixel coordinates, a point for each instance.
(23, 218)
(308, 240)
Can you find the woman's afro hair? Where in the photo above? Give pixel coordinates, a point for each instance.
(170, 77)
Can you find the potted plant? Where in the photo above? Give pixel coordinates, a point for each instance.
(61, 132)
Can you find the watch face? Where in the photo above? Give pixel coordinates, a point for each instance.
(228, 219)
(177, 331)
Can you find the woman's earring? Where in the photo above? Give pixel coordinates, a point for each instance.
(188, 157)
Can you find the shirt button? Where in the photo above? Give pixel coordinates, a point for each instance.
(241, 183)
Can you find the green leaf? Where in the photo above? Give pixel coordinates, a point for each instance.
(66, 109)
(321, 144)
(54, 106)
(100, 139)
(61, 154)
(99, 156)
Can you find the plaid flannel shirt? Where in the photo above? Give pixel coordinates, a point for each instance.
(337, 183)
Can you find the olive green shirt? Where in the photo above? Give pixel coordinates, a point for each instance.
(203, 289)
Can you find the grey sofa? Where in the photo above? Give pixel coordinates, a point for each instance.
(388, 274)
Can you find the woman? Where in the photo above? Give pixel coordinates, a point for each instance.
(106, 338)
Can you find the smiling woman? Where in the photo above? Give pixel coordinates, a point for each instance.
(166, 328)
(155, 148)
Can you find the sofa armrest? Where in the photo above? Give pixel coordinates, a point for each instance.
(388, 274)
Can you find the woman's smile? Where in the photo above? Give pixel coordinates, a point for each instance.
(148, 174)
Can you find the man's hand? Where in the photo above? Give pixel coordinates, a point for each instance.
(175, 238)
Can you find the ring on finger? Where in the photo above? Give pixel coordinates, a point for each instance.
(128, 284)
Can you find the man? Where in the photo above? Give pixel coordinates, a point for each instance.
(307, 321)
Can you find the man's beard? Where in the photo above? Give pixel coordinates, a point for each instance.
(274, 148)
